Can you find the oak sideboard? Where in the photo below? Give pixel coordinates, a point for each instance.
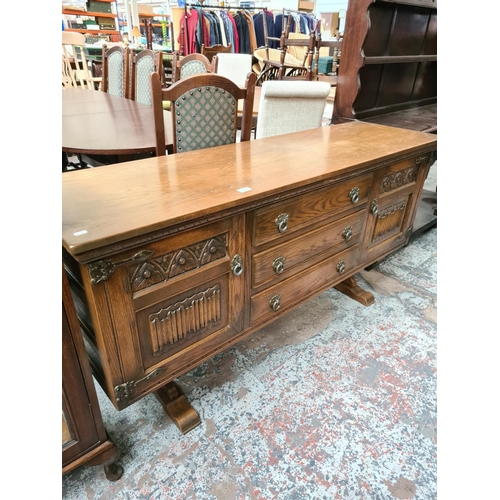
(173, 259)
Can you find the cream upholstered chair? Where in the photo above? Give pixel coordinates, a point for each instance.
(290, 106)
(75, 68)
(233, 66)
(203, 111)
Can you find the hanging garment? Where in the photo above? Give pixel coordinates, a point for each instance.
(251, 31)
(222, 29)
(188, 24)
(236, 37)
(243, 35)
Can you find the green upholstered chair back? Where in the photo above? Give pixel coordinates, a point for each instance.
(116, 70)
(204, 117)
(204, 111)
(192, 68)
(143, 64)
(116, 74)
(192, 64)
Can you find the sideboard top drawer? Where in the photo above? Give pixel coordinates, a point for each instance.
(285, 217)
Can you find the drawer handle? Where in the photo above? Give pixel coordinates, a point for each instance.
(275, 302)
(347, 233)
(374, 207)
(279, 265)
(237, 265)
(354, 195)
(282, 222)
(341, 267)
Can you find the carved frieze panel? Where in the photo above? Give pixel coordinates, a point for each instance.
(190, 315)
(398, 179)
(166, 266)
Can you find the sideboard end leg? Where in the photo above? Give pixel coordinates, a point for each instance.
(184, 416)
(351, 288)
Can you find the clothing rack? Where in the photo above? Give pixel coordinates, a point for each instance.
(210, 7)
(290, 11)
(284, 12)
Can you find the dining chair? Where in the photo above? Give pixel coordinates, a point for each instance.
(75, 67)
(284, 65)
(203, 110)
(235, 67)
(143, 64)
(211, 50)
(332, 62)
(116, 70)
(192, 64)
(290, 106)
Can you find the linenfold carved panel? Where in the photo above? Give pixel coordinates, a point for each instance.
(166, 266)
(398, 179)
(389, 221)
(191, 315)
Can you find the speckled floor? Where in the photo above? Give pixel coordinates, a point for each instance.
(333, 401)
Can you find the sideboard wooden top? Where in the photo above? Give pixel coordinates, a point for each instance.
(107, 205)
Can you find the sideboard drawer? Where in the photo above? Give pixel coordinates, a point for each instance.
(281, 261)
(288, 216)
(282, 296)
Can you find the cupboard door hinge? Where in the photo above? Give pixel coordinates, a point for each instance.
(124, 391)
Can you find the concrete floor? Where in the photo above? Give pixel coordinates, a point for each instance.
(332, 401)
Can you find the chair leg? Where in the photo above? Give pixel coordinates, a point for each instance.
(76, 166)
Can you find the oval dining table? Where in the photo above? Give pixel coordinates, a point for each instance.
(96, 124)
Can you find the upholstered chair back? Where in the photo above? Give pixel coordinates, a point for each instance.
(290, 106)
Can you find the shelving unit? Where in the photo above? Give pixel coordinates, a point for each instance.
(92, 14)
(123, 23)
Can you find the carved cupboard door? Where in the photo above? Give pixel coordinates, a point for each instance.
(392, 206)
(160, 309)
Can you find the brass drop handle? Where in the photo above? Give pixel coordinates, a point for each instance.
(374, 207)
(282, 222)
(275, 302)
(279, 265)
(347, 233)
(341, 267)
(237, 265)
(354, 195)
